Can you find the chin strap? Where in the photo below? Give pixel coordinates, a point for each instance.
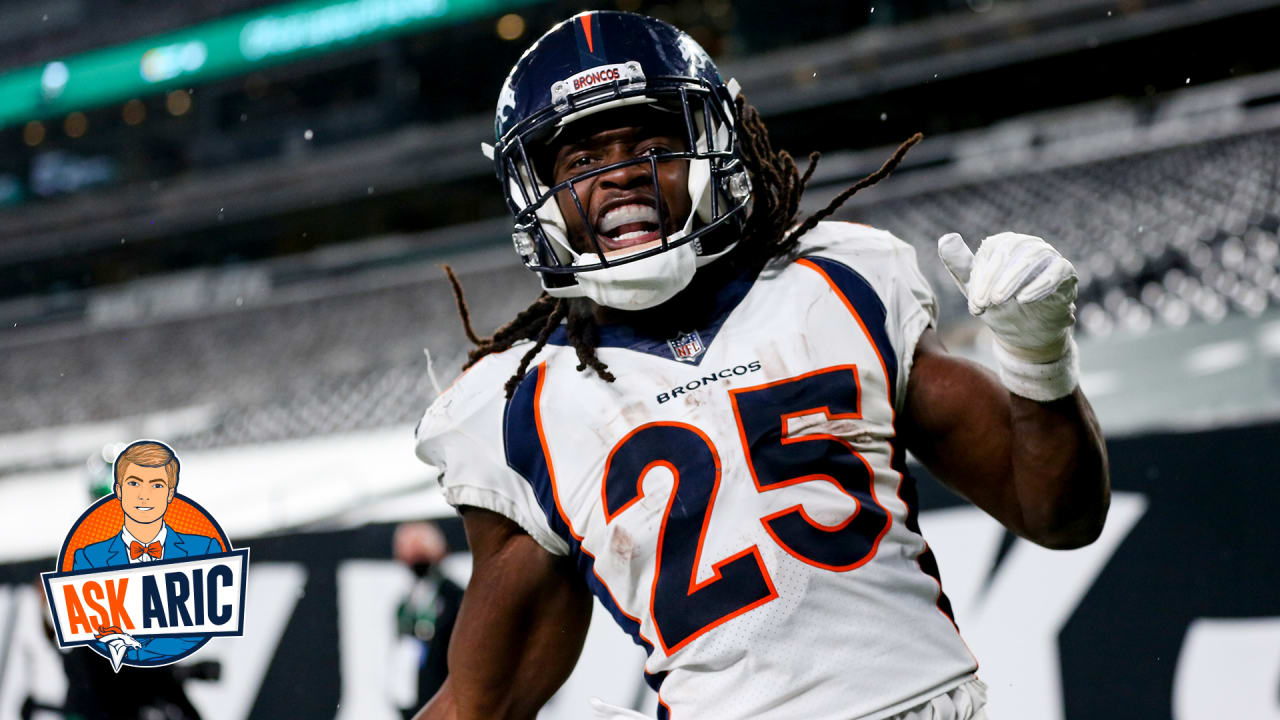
(637, 285)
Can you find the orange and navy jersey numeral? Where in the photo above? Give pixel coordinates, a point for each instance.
(524, 441)
(681, 607)
(860, 300)
(776, 460)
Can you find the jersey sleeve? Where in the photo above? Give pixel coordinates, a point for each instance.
(461, 436)
(889, 266)
(912, 308)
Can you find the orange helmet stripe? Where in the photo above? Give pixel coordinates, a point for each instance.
(586, 30)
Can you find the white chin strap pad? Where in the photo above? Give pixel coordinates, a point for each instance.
(652, 281)
(637, 285)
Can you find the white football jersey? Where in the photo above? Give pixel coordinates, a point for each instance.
(737, 498)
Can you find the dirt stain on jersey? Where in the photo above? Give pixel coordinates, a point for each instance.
(771, 359)
(634, 414)
(621, 544)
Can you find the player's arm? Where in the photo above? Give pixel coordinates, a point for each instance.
(1025, 446)
(520, 629)
(1040, 468)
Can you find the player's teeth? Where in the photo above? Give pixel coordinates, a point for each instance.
(624, 237)
(628, 214)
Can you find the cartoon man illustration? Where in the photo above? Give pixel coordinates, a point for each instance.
(146, 480)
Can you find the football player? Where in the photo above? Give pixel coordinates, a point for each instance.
(703, 419)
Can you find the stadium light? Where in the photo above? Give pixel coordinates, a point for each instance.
(134, 112)
(33, 133)
(177, 102)
(239, 44)
(510, 26)
(76, 124)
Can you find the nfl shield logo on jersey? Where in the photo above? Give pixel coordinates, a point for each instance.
(687, 347)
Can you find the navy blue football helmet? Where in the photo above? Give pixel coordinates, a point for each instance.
(604, 60)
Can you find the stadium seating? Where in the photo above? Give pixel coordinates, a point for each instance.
(1164, 238)
(273, 372)
(1169, 237)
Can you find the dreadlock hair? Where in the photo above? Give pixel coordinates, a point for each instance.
(770, 231)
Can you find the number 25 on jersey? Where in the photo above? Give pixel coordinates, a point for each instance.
(683, 608)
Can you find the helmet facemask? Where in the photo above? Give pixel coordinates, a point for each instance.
(718, 187)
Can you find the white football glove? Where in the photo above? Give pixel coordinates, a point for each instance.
(1025, 291)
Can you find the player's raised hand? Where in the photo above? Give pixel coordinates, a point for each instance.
(1025, 291)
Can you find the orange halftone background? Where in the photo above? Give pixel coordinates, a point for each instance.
(107, 519)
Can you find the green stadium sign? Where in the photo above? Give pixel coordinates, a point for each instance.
(222, 48)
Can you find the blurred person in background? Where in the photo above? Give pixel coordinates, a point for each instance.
(703, 420)
(425, 618)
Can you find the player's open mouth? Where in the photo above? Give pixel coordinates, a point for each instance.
(628, 225)
(142, 507)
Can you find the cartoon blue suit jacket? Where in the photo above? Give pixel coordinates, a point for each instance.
(112, 552)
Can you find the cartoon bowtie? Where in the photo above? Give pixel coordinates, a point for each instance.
(153, 549)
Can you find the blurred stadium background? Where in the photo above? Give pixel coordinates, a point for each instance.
(221, 223)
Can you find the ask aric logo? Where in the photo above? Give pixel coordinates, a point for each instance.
(146, 576)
